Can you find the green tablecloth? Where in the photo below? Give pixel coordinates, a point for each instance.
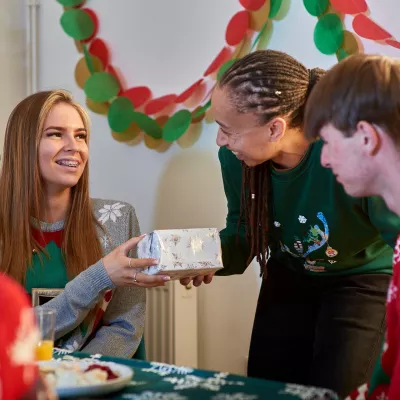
(158, 381)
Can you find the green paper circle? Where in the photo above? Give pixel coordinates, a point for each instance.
(70, 3)
(275, 6)
(316, 7)
(177, 125)
(225, 67)
(77, 23)
(147, 124)
(101, 87)
(120, 114)
(328, 34)
(202, 109)
(341, 54)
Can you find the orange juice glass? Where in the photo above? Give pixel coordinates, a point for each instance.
(46, 321)
(44, 350)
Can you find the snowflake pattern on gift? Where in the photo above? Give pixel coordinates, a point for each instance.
(110, 211)
(213, 234)
(148, 395)
(177, 260)
(234, 396)
(308, 393)
(277, 224)
(162, 369)
(175, 239)
(205, 264)
(302, 219)
(212, 383)
(196, 243)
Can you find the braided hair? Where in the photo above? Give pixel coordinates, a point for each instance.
(269, 84)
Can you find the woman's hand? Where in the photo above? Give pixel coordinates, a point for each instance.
(125, 271)
(198, 280)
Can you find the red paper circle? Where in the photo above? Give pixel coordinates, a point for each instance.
(223, 56)
(188, 92)
(393, 43)
(237, 28)
(156, 105)
(137, 95)
(99, 49)
(252, 5)
(368, 29)
(350, 6)
(95, 20)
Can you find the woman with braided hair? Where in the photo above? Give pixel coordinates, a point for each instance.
(325, 257)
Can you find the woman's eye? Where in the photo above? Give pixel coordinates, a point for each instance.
(55, 134)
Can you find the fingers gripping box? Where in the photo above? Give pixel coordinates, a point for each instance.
(182, 252)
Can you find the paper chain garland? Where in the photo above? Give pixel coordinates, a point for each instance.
(329, 34)
(106, 95)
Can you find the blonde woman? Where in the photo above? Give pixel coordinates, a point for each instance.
(53, 235)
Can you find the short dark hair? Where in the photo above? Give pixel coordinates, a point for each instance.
(359, 88)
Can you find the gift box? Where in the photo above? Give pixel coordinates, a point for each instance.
(182, 252)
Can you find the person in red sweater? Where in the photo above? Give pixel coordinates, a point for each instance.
(355, 110)
(19, 376)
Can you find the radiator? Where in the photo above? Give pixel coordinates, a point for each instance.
(171, 331)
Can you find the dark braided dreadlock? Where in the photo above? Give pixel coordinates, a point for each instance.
(270, 84)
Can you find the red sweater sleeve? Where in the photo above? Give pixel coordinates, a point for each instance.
(18, 339)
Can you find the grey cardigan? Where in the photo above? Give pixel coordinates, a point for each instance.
(124, 318)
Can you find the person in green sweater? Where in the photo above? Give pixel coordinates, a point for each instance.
(55, 239)
(325, 257)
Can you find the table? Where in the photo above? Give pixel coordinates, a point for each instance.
(158, 381)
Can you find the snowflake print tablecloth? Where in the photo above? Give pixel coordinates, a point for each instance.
(158, 381)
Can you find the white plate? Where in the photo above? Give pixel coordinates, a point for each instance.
(125, 376)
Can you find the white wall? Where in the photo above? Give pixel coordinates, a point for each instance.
(181, 187)
(12, 56)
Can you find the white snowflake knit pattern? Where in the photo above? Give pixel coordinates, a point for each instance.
(392, 292)
(302, 219)
(213, 383)
(148, 395)
(306, 393)
(110, 212)
(396, 256)
(234, 396)
(362, 393)
(162, 369)
(61, 352)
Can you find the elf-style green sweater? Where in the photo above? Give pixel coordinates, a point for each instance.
(316, 227)
(92, 314)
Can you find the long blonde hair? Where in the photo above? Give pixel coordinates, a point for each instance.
(21, 193)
